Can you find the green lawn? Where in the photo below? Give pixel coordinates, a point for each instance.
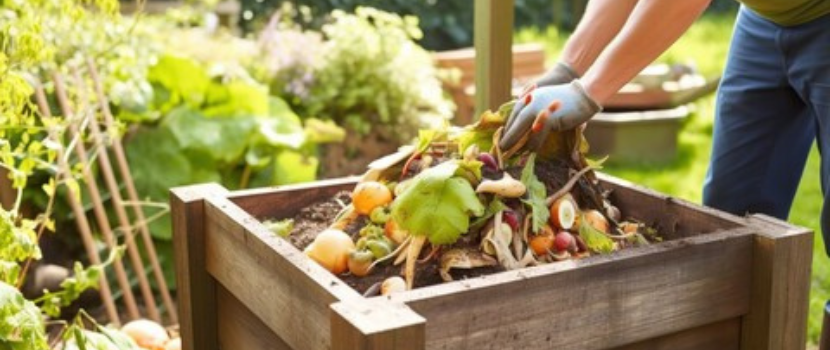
(706, 44)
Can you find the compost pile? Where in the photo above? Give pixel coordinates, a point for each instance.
(454, 205)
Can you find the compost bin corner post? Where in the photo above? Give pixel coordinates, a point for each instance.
(376, 324)
(493, 39)
(782, 257)
(196, 288)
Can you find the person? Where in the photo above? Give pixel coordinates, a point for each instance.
(772, 103)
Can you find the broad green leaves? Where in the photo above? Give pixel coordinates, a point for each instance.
(438, 205)
(21, 325)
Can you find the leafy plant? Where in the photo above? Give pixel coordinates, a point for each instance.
(374, 74)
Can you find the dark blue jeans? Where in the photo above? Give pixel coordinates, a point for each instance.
(773, 101)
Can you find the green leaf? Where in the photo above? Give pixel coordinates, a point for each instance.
(224, 139)
(536, 195)
(494, 207)
(293, 167)
(184, 79)
(280, 228)
(319, 131)
(237, 97)
(437, 205)
(21, 324)
(594, 239)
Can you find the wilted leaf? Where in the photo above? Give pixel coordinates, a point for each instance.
(595, 240)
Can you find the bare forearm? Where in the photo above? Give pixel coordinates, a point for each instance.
(653, 26)
(600, 24)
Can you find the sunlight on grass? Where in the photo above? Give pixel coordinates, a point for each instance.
(706, 44)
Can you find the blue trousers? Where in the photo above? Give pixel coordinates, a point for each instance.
(773, 101)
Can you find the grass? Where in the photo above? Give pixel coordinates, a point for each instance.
(706, 44)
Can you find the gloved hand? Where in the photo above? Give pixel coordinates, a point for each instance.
(542, 109)
(561, 73)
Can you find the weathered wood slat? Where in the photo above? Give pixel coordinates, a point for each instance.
(781, 286)
(725, 335)
(677, 218)
(196, 289)
(239, 328)
(285, 201)
(599, 303)
(376, 324)
(272, 278)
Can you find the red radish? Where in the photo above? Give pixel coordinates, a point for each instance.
(331, 250)
(488, 161)
(147, 334)
(564, 242)
(369, 195)
(563, 212)
(511, 218)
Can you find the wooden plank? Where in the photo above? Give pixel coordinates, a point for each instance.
(285, 201)
(286, 290)
(239, 328)
(196, 289)
(724, 335)
(675, 218)
(493, 38)
(781, 286)
(597, 303)
(376, 324)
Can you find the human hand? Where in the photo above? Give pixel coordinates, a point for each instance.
(542, 109)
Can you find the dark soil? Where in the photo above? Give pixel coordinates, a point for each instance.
(313, 219)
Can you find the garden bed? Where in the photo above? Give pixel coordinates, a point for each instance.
(717, 282)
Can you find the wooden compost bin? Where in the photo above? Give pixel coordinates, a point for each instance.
(717, 282)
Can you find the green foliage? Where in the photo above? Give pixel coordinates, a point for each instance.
(374, 74)
(536, 195)
(71, 288)
(21, 325)
(438, 204)
(19, 243)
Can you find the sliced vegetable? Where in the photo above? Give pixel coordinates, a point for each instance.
(563, 212)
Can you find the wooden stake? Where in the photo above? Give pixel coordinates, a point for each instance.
(132, 194)
(124, 222)
(80, 216)
(98, 207)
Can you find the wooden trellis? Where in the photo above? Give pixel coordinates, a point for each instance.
(95, 148)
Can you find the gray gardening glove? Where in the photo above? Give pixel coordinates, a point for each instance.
(561, 73)
(546, 108)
